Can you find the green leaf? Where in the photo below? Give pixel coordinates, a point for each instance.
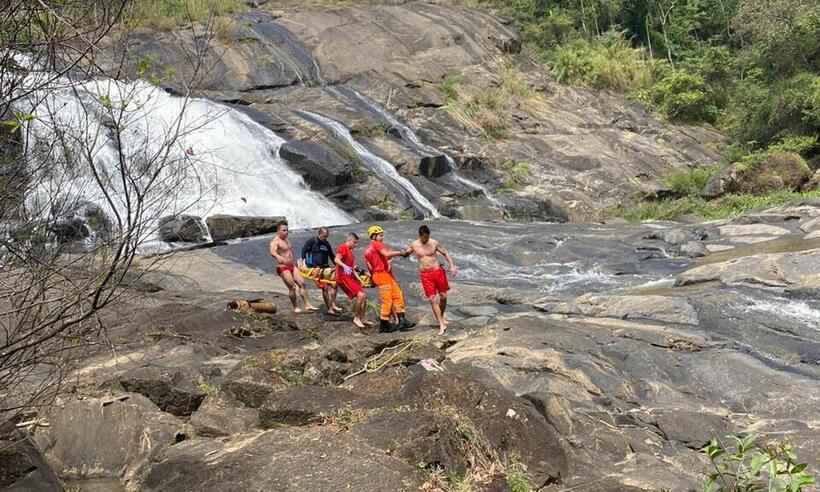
(759, 460)
(798, 468)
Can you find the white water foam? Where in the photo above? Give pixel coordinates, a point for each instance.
(798, 311)
(547, 277)
(222, 162)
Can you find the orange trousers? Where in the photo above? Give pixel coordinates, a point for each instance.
(389, 293)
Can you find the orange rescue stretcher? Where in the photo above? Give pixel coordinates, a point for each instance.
(327, 276)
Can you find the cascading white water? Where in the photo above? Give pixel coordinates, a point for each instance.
(381, 167)
(409, 136)
(198, 157)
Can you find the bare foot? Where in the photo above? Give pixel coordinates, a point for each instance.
(369, 323)
(311, 308)
(337, 309)
(445, 321)
(442, 328)
(358, 322)
(297, 310)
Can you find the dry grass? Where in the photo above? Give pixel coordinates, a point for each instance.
(169, 14)
(484, 464)
(488, 110)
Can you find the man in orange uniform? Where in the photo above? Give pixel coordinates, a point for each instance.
(377, 257)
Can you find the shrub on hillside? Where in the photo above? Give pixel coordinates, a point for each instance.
(683, 96)
(770, 171)
(689, 181)
(608, 62)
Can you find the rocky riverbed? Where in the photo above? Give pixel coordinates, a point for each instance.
(593, 357)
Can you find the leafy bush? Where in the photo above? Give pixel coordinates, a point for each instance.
(748, 466)
(689, 181)
(798, 144)
(683, 96)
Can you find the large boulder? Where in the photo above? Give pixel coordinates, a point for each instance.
(794, 269)
(174, 390)
(182, 228)
(773, 172)
(83, 221)
(309, 459)
(651, 307)
(22, 467)
(107, 437)
(225, 227)
(320, 166)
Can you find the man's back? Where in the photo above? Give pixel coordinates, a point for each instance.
(317, 253)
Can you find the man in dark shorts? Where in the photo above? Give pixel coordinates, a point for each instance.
(347, 281)
(318, 253)
(431, 273)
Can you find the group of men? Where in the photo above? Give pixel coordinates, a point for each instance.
(317, 252)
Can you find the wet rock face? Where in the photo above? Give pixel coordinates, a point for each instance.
(223, 227)
(321, 167)
(182, 228)
(585, 151)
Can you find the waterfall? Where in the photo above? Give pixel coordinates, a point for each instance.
(220, 162)
(379, 166)
(410, 137)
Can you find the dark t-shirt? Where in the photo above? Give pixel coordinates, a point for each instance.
(317, 253)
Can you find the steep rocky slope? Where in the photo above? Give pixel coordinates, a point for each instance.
(458, 80)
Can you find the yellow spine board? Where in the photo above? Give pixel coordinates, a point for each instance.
(328, 276)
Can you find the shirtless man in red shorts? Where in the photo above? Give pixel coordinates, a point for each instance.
(433, 277)
(347, 281)
(282, 251)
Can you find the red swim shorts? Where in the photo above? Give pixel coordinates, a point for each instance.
(280, 269)
(434, 281)
(349, 285)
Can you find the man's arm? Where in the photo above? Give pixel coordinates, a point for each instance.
(307, 247)
(443, 252)
(338, 260)
(389, 253)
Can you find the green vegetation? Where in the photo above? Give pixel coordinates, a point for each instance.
(690, 181)
(516, 174)
(749, 67)
(517, 479)
(724, 207)
(168, 14)
(747, 466)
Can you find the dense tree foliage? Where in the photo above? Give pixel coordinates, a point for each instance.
(751, 67)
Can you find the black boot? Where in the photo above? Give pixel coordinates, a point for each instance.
(386, 327)
(405, 325)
